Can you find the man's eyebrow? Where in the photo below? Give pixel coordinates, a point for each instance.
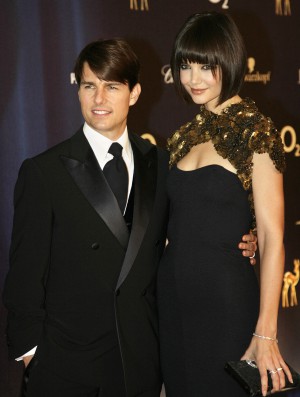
(107, 82)
(113, 82)
(86, 82)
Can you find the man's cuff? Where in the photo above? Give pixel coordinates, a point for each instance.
(30, 353)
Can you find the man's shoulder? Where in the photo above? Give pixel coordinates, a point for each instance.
(145, 146)
(61, 148)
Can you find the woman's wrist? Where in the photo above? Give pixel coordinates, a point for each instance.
(265, 337)
(266, 327)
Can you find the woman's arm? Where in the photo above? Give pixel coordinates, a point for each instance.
(269, 209)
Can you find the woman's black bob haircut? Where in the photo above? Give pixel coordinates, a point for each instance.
(211, 38)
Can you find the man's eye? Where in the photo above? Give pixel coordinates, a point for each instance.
(88, 86)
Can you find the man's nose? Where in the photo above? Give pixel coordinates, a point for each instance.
(99, 95)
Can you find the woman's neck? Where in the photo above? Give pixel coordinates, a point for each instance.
(219, 109)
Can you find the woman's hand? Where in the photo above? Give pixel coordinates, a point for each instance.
(267, 357)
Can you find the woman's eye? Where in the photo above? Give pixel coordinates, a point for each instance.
(184, 66)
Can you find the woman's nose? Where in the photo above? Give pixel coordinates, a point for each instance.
(196, 76)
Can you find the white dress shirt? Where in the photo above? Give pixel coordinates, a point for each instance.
(100, 145)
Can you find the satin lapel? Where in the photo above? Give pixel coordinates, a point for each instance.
(145, 175)
(87, 174)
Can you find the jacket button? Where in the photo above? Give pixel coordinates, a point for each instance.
(95, 246)
(144, 292)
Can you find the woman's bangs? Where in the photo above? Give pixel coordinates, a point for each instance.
(194, 51)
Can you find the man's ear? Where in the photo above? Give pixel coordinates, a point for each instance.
(134, 94)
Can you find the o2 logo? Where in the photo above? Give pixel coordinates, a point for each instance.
(225, 4)
(289, 131)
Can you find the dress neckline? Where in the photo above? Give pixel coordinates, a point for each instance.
(205, 167)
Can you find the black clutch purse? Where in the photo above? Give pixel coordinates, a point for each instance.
(247, 375)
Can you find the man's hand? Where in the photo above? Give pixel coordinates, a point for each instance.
(27, 359)
(249, 246)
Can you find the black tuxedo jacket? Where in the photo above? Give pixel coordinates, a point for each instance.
(79, 283)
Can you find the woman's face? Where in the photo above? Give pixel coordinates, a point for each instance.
(200, 83)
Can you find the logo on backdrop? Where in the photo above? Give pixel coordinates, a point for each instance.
(167, 74)
(289, 140)
(225, 4)
(254, 76)
(144, 5)
(149, 137)
(283, 7)
(73, 78)
(290, 280)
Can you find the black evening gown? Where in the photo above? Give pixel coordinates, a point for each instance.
(208, 293)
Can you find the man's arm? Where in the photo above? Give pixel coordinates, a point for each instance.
(24, 290)
(249, 246)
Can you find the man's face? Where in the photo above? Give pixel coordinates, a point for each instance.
(105, 104)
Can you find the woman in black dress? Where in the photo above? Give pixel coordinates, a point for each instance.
(225, 177)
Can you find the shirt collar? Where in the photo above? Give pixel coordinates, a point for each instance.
(101, 144)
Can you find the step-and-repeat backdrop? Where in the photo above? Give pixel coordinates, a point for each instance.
(39, 42)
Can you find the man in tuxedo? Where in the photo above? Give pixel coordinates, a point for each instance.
(85, 247)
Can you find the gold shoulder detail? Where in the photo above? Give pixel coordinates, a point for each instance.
(266, 139)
